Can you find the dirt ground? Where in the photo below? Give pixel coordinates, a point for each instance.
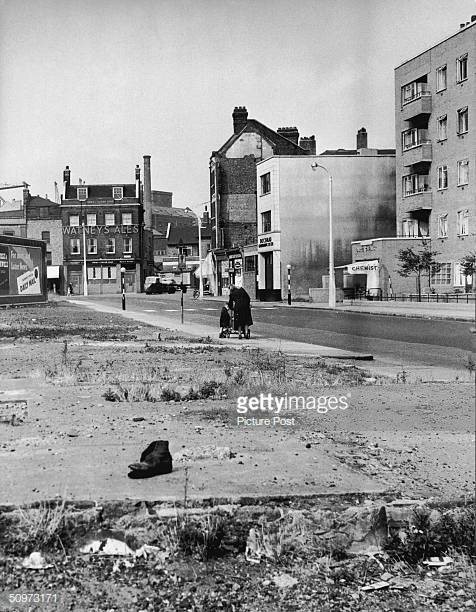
(101, 388)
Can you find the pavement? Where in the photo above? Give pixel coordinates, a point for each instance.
(289, 347)
(453, 311)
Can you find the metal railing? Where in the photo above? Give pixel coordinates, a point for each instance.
(428, 298)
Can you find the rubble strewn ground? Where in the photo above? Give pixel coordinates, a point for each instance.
(100, 388)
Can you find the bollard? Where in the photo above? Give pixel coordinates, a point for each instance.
(123, 288)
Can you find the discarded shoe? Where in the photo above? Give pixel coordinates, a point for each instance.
(155, 460)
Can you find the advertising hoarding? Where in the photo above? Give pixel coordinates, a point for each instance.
(22, 270)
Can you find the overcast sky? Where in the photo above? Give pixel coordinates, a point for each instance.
(96, 84)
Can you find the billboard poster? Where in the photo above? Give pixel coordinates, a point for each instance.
(4, 269)
(25, 270)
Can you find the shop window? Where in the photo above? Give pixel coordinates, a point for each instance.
(110, 273)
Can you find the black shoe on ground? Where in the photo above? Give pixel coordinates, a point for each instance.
(155, 460)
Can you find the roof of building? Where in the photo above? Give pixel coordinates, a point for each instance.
(12, 214)
(170, 211)
(280, 143)
(101, 191)
(356, 152)
(39, 201)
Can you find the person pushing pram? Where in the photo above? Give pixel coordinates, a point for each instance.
(225, 322)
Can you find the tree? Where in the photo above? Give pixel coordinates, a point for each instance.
(467, 266)
(417, 262)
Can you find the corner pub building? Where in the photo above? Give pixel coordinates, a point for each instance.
(114, 234)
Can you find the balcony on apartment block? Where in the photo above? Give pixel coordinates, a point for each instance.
(416, 147)
(419, 103)
(418, 200)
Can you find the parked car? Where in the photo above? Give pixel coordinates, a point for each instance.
(159, 287)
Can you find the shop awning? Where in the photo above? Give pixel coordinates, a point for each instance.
(52, 271)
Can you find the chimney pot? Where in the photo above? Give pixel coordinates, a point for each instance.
(473, 18)
(291, 133)
(362, 138)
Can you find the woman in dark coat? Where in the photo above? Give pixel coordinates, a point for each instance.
(239, 302)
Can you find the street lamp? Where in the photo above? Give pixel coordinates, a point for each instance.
(85, 269)
(332, 280)
(200, 273)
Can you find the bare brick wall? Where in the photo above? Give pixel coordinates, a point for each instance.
(54, 227)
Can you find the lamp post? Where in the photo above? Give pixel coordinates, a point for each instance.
(332, 280)
(288, 267)
(123, 287)
(85, 269)
(200, 273)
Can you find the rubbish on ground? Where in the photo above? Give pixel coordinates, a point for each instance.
(284, 581)
(121, 562)
(155, 460)
(386, 577)
(375, 586)
(438, 561)
(137, 419)
(203, 452)
(152, 551)
(109, 546)
(36, 561)
(261, 545)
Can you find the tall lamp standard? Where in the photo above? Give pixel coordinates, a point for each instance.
(332, 279)
(200, 273)
(85, 269)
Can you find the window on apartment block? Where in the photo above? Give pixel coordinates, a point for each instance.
(266, 221)
(462, 68)
(443, 225)
(127, 245)
(117, 193)
(463, 222)
(109, 219)
(463, 120)
(410, 228)
(45, 236)
(74, 220)
(463, 172)
(126, 218)
(265, 183)
(441, 275)
(82, 193)
(441, 74)
(110, 245)
(91, 219)
(442, 177)
(75, 246)
(442, 127)
(415, 183)
(459, 279)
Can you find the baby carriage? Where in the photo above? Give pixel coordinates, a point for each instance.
(225, 323)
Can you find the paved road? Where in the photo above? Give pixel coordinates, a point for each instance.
(396, 339)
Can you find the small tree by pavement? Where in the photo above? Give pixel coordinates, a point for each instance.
(417, 262)
(468, 267)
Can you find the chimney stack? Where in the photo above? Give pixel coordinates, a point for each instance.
(137, 181)
(66, 180)
(240, 117)
(291, 133)
(362, 139)
(309, 144)
(147, 193)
